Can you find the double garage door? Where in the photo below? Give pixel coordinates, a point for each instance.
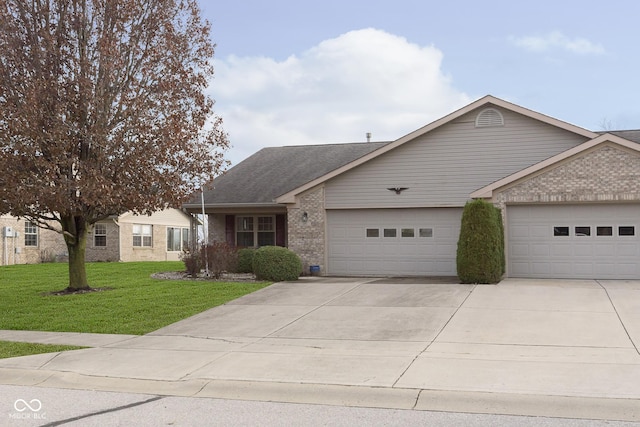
(393, 242)
(597, 241)
(589, 241)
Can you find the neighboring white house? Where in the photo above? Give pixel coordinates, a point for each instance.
(159, 237)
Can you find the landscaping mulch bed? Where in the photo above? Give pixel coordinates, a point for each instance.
(225, 277)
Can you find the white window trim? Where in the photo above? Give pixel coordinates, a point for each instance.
(27, 233)
(142, 236)
(95, 234)
(256, 227)
(182, 242)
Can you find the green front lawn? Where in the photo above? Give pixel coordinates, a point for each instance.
(134, 304)
(15, 349)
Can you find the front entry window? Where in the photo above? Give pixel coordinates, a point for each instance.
(255, 231)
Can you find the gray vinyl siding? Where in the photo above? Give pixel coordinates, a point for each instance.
(444, 166)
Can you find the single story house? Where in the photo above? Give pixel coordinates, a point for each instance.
(570, 197)
(159, 237)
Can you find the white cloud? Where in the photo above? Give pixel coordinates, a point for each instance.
(557, 40)
(362, 81)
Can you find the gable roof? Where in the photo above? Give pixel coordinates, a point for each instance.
(289, 197)
(487, 191)
(631, 135)
(262, 177)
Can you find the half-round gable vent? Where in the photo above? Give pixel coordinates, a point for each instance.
(489, 117)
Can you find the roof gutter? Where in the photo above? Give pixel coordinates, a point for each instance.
(232, 205)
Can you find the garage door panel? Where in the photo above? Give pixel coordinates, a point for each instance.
(541, 268)
(561, 250)
(445, 250)
(538, 249)
(520, 250)
(604, 249)
(562, 269)
(626, 269)
(605, 269)
(583, 250)
(520, 269)
(432, 252)
(627, 249)
(520, 231)
(534, 251)
(585, 268)
(539, 231)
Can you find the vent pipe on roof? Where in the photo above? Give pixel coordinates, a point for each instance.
(368, 136)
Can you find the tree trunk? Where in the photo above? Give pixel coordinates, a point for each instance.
(75, 236)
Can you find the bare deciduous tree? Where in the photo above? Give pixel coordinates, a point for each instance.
(103, 110)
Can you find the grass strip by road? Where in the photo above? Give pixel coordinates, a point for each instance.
(16, 349)
(134, 303)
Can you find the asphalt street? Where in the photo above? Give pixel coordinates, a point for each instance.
(81, 408)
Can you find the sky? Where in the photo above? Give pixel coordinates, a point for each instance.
(299, 72)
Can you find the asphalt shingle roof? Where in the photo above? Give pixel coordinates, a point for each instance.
(631, 135)
(274, 171)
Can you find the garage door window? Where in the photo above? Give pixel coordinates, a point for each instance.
(583, 231)
(408, 232)
(626, 231)
(604, 231)
(390, 232)
(426, 232)
(560, 231)
(373, 232)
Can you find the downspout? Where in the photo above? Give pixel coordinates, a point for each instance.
(115, 221)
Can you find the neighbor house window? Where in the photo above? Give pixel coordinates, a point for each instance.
(252, 231)
(142, 235)
(177, 239)
(100, 235)
(30, 234)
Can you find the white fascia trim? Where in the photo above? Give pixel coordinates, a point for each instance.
(232, 205)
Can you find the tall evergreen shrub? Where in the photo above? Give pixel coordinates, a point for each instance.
(480, 256)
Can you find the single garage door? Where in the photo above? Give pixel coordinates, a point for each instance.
(574, 241)
(393, 242)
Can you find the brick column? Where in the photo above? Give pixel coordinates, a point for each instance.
(307, 233)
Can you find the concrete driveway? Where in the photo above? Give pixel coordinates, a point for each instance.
(538, 347)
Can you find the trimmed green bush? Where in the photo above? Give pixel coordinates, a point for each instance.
(480, 255)
(245, 260)
(276, 264)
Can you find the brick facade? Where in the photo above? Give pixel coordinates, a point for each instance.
(307, 238)
(603, 174)
(217, 228)
(50, 245)
(119, 241)
(110, 252)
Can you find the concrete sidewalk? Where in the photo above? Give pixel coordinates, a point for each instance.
(525, 347)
